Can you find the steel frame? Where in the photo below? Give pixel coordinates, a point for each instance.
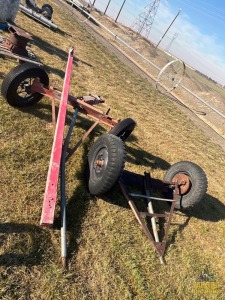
(84, 105)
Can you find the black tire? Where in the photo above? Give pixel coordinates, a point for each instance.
(197, 183)
(109, 152)
(123, 129)
(47, 11)
(16, 85)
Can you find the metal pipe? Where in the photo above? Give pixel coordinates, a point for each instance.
(151, 211)
(37, 16)
(63, 191)
(202, 100)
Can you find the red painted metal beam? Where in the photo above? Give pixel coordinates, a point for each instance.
(50, 196)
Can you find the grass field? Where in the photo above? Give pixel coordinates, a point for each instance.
(109, 255)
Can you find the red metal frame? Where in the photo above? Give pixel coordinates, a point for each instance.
(85, 105)
(50, 196)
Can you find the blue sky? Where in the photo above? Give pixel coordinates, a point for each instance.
(200, 28)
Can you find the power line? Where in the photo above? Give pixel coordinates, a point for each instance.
(207, 12)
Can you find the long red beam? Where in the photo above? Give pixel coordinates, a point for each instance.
(50, 196)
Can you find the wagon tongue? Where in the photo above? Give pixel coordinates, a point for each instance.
(48, 209)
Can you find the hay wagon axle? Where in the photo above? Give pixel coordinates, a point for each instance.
(184, 184)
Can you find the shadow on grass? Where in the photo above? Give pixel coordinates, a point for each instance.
(209, 209)
(138, 156)
(53, 50)
(77, 207)
(44, 111)
(27, 244)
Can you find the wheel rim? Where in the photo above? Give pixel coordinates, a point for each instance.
(183, 182)
(100, 163)
(24, 89)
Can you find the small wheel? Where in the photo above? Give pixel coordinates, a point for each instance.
(124, 128)
(106, 162)
(47, 11)
(16, 86)
(194, 187)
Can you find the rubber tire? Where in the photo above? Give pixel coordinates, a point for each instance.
(16, 77)
(197, 179)
(102, 179)
(48, 8)
(123, 129)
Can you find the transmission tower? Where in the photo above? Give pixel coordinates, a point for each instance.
(146, 18)
(171, 42)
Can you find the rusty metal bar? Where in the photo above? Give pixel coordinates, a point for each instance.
(152, 198)
(160, 247)
(71, 151)
(80, 102)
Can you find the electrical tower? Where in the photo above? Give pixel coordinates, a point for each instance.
(145, 20)
(171, 42)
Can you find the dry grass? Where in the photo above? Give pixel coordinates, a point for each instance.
(109, 256)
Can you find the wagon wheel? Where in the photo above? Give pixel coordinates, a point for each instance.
(124, 128)
(47, 11)
(16, 86)
(194, 187)
(106, 162)
(171, 75)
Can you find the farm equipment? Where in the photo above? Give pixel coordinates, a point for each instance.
(16, 46)
(184, 184)
(43, 15)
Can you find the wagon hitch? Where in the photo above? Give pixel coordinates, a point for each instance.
(147, 183)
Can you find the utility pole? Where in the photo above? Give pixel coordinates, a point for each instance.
(120, 10)
(107, 7)
(168, 28)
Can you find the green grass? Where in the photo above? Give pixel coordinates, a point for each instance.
(109, 256)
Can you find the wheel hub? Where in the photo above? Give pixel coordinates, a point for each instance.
(183, 182)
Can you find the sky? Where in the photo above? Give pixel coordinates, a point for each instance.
(197, 35)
